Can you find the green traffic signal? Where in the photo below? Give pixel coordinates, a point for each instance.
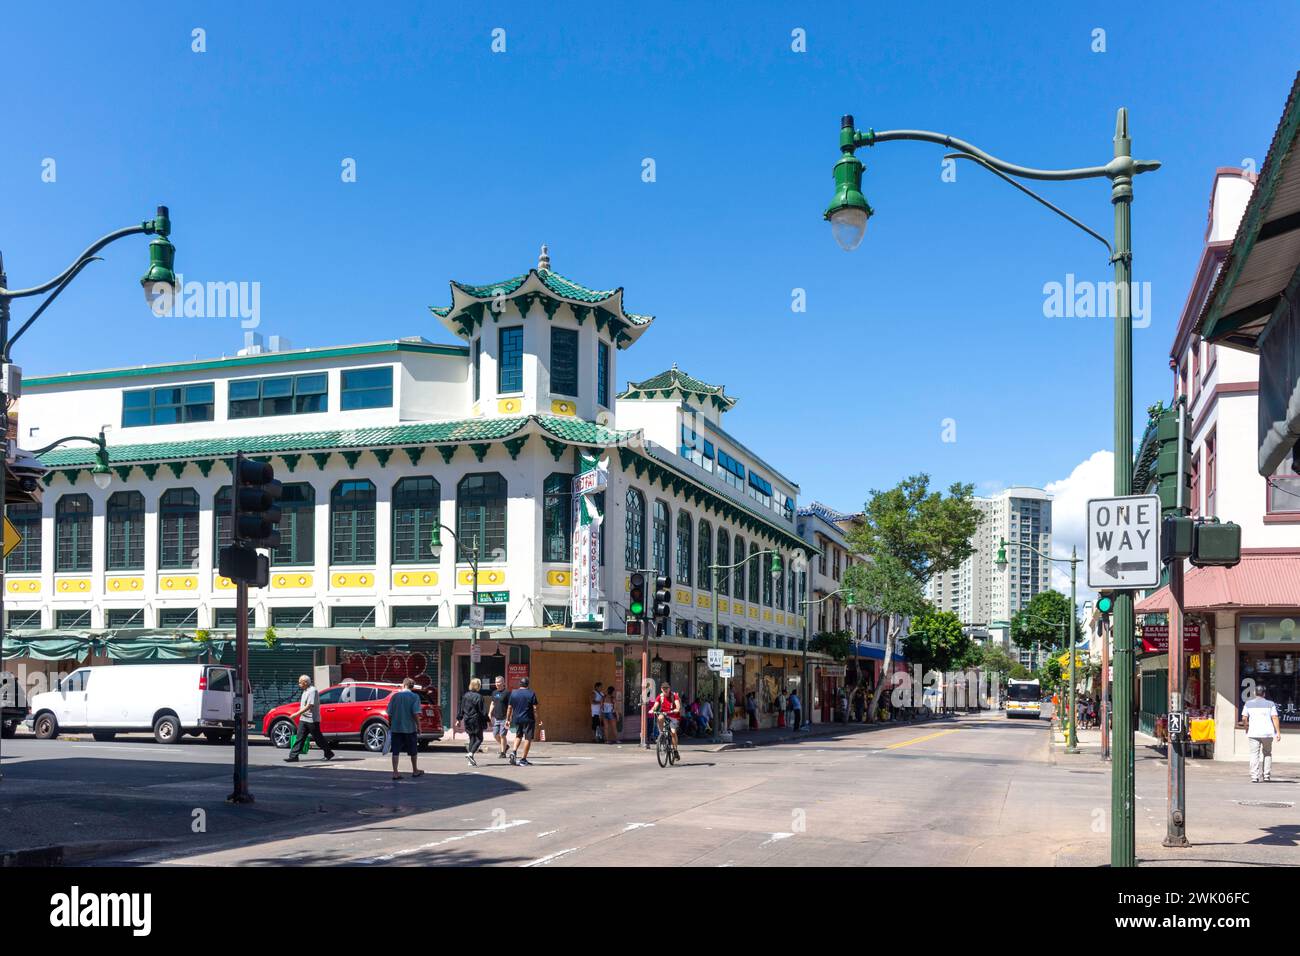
(1105, 605)
(636, 603)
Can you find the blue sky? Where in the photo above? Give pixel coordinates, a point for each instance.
(467, 160)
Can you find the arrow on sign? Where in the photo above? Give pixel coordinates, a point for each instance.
(1114, 566)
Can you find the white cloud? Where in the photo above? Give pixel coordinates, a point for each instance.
(1094, 477)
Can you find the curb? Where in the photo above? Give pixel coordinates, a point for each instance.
(72, 854)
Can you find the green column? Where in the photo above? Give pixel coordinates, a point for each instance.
(1122, 849)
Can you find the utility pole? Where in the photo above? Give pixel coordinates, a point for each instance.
(1176, 723)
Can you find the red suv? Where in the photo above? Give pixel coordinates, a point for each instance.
(356, 710)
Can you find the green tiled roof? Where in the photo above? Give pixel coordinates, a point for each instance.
(469, 304)
(666, 383)
(424, 433)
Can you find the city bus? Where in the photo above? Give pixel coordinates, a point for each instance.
(1024, 698)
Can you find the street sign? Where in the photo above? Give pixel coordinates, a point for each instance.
(476, 653)
(728, 667)
(715, 658)
(1177, 720)
(493, 597)
(12, 538)
(475, 617)
(1124, 542)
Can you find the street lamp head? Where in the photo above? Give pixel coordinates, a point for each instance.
(849, 211)
(101, 476)
(776, 565)
(435, 540)
(159, 282)
(1001, 559)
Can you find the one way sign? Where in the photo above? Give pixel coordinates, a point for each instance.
(1124, 542)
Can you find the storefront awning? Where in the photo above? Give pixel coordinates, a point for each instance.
(1259, 582)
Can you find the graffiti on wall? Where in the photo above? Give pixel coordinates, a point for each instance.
(391, 667)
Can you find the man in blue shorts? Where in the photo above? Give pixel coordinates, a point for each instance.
(499, 708)
(523, 714)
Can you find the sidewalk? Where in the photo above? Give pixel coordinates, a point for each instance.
(742, 739)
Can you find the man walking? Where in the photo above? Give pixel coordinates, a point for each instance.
(404, 726)
(796, 707)
(1263, 726)
(308, 717)
(523, 713)
(500, 707)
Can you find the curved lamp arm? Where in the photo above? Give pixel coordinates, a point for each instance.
(100, 441)
(160, 226)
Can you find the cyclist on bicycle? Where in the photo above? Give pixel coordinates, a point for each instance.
(669, 706)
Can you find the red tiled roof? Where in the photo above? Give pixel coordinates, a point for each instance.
(1259, 581)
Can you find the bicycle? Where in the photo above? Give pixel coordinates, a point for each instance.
(664, 750)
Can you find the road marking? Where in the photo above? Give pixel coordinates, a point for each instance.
(775, 837)
(917, 740)
(636, 826)
(388, 857)
(553, 856)
(546, 833)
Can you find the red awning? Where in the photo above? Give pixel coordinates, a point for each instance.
(1260, 581)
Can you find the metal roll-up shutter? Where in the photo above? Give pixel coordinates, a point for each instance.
(273, 674)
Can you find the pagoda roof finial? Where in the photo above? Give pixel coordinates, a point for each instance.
(543, 260)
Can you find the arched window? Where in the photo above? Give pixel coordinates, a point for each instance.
(704, 560)
(755, 574)
(634, 531)
(740, 571)
(557, 517)
(780, 585)
(415, 514)
(223, 519)
(125, 515)
(659, 539)
(684, 556)
(769, 583)
(26, 557)
(724, 558)
(178, 528)
(72, 531)
(481, 517)
(297, 525)
(352, 523)
(791, 600)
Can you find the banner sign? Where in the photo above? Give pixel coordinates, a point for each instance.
(592, 479)
(1155, 637)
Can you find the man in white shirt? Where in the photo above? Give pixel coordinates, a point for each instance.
(1263, 726)
(597, 699)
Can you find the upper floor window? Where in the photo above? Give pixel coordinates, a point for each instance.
(602, 373)
(168, 405)
(283, 395)
(634, 531)
(366, 388)
(125, 513)
(659, 539)
(510, 359)
(72, 533)
(178, 528)
(297, 525)
(724, 559)
(557, 517)
(415, 515)
(760, 489)
(481, 517)
(26, 557)
(704, 573)
(1284, 489)
(733, 472)
(755, 573)
(352, 523)
(1211, 479)
(223, 519)
(564, 361)
(684, 555)
(739, 577)
(698, 450)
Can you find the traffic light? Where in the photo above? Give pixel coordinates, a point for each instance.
(1216, 544)
(1105, 604)
(663, 606)
(636, 603)
(256, 512)
(1168, 470)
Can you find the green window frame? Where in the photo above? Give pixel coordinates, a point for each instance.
(225, 618)
(724, 559)
(124, 542)
(178, 617)
(685, 559)
(659, 538)
(481, 501)
(124, 617)
(358, 616)
(478, 367)
(178, 528)
(564, 361)
(71, 617)
(352, 522)
(292, 617)
(297, 526)
(704, 560)
(366, 388)
(739, 572)
(415, 511)
(602, 373)
(413, 615)
(23, 620)
(510, 359)
(278, 395)
(557, 517)
(26, 557)
(168, 405)
(634, 531)
(73, 533)
(755, 588)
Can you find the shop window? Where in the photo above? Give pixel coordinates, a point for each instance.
(366, 388)
(359, 616)
(125, 617)
(297, 526)
(414, 615)
(178, 617)
(416, 501)
(481, 517)
(557, 517)
(125, 520)
(178, 528)
(72, 533)
(352, 523)
(291, 617)
(26, 557)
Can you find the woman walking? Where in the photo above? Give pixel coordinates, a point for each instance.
(473, 716)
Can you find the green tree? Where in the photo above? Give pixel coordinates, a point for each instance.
(1044, 622)
(935, 640)
(834, 644)
(907, 534)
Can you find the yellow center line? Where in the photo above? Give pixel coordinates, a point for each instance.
(917, 740)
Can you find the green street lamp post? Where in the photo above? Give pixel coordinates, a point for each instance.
(807, 606)
(848, 213)
(721, 734)
(471, 555)
(158, 282)
(1072, 740)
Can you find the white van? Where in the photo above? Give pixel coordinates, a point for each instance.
(168, 699)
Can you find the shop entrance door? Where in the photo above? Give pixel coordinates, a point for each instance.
(488, 669)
